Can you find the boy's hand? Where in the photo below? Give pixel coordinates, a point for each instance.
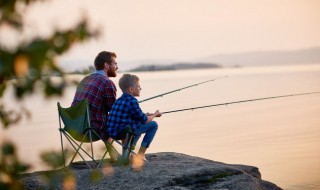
(152, 116)
(148, 114)
(157, 113)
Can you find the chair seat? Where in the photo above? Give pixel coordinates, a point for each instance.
(122, 134)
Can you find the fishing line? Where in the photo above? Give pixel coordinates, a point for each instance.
(177, 90)
(236, 102)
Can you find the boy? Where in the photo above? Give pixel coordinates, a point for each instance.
(126, 111)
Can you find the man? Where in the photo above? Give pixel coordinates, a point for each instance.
(100, 92)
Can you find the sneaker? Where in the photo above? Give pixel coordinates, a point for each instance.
(135, 154)
(137, 163)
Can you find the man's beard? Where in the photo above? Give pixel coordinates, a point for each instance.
(111, 73)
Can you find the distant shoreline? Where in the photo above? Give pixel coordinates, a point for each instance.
(176, 66)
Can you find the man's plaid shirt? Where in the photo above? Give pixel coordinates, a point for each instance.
(100, 92)
(125, 111)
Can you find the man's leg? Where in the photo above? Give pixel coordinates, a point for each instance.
(113, 153)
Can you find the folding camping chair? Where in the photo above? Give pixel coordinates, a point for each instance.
(77, 130)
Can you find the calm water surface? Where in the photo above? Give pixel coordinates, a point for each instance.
(279, 136)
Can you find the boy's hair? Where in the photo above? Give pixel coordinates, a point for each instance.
(127, 81)
(102, 58)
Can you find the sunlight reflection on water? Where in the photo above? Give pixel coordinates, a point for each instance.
(280, 136)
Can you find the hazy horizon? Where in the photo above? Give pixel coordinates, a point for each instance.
(180, 30)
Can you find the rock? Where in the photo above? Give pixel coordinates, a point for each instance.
(163, 171)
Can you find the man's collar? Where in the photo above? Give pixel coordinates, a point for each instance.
(100, 72)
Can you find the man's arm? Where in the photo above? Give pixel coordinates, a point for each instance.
(111, 95)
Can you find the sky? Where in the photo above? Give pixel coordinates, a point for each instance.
(143, 31)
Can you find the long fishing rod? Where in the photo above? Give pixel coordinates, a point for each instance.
(166, 93)
(236, 102)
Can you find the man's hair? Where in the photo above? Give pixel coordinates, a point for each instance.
(102, 58)
(127, 81)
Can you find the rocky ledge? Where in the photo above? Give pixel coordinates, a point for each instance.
(163, 171)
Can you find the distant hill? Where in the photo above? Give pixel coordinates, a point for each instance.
(176, 66)
(257, 58)
(311, 55)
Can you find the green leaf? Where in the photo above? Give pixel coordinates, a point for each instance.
(8, 149)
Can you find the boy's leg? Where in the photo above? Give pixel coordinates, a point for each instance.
(150, 130)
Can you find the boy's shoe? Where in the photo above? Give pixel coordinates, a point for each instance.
(137, 162)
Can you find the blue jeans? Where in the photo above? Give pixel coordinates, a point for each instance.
(149, 129)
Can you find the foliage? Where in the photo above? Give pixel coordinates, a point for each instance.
(10, 167)
(66, 177)
(54, 159)
(33, 60)
(53, 178)
(30, 63)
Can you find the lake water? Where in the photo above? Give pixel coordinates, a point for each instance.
(279, 136)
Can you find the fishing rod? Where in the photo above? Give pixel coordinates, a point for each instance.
(166, 93)
(236, 102)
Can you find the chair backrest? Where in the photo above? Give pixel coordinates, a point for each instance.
(76, 121)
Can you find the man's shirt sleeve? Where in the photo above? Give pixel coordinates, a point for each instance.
(111, 95)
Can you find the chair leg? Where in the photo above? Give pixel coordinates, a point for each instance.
(121, 144)
(126, 149)
(91, 145)
(111, 150)
(62, 151)
(77, 152)
(71, 141)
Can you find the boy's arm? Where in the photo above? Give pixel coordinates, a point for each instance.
(136, 112)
